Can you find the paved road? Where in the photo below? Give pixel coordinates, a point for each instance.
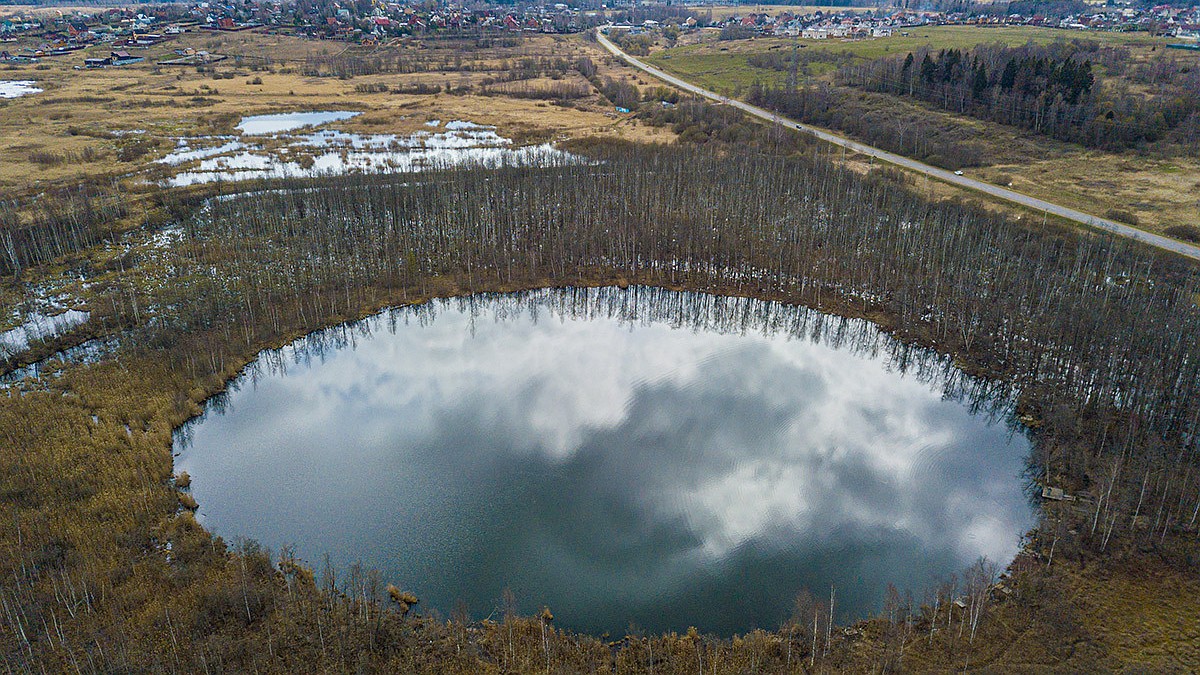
(1119, 229)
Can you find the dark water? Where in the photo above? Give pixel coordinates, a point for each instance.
(635, 457)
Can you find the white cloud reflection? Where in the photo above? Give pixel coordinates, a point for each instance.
(617, 471)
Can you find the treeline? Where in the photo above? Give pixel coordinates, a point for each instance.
(872, 118)
(394, 62)
(555, 91)
(398, 62)
(1050, 89)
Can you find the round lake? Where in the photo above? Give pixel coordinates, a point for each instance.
(632, 457)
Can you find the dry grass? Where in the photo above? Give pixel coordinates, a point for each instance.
(1161, 193)
(1145, 616)
(73, 118)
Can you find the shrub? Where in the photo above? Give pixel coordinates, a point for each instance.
(1121, 216)
(46, 158)
(735, 32)
(187, 501)
(1184, 232)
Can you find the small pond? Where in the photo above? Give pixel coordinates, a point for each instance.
(18, 88)
(632, 457)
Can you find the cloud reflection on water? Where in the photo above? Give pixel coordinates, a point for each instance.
(619, 472)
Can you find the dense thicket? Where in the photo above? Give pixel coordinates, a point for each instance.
(905, 130)
(1052, 89)
(637, 44)
(698, 122)
(55, 224)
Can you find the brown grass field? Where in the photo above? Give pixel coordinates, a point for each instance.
(63, 135)
(58, 137)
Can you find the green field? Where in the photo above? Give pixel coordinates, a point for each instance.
(721, 65)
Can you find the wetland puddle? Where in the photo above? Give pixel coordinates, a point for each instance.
(327, 152)
(627, 457)
(18, 88)
(38, 326)
(264, 125)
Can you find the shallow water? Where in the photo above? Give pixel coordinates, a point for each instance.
(184, 152)
(329, 152)
(634, 457)
(36, 375)
(38, 326)
(18, 88)
(262, 125)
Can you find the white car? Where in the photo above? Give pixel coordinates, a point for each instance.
(957, 173)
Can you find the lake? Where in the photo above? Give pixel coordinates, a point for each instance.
(628, 457)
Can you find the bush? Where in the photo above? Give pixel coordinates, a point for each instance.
(1184, 232)
(187, 501)
(419, 88)
(376, 88)
(46, 158)
(1121, 216)
(135, 149)
(735, 32)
